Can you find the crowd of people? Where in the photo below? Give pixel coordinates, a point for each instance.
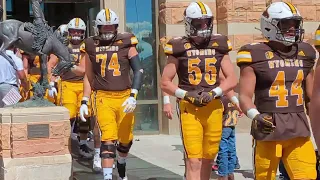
(101, 95)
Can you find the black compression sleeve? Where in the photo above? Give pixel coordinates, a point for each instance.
(137, 71)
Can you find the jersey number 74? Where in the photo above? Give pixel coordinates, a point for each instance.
(113, 64)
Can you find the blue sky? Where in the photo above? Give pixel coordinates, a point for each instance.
(143, 7)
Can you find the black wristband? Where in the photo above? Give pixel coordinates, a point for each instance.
(132, 95)
(84, 102)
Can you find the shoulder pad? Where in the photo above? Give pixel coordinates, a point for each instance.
(221, 43)
(306, 52)
(175, 46)
(126, 39)
(83, 47)
(244, 54)
(164, 40)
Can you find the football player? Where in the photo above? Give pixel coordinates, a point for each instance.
(277, 74)
(109, 58)
(315, 102)
(197, 59)
(63, 32)
(31, 64)
(71, 85)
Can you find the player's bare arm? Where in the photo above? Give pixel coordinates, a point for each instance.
(25, 63)
(309, 87)
(23, 79)
(315, 104)
(53, 61)
(167, 107)
(80, 69)
(231, 95)
(230, 80)
(168, 74)
(88, 68)
(86, 87)
(246, 88)
(309, 84)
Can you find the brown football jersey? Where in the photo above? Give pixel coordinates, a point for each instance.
(77, 51)
(280, 79)
(198, 68)
(317, 38)
(110, 62)
(230, 113)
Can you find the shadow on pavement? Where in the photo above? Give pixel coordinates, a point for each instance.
(137, 169)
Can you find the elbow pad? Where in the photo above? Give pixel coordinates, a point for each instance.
(137, 71)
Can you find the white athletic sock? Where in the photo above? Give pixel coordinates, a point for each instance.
(83, 142)
(97, 150)
(122, 160)
(107, 173)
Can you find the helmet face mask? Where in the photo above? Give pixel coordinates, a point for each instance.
(201, 27)
(76, 31)
(290, 30)
(76, 35)
(198, 23)
(107, 32)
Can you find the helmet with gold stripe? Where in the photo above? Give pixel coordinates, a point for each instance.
(76, 30)
(107, 22)
(63, 30)
(198, 22)
(282, 22)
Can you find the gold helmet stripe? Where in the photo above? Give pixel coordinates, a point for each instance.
(292, 8)
(77, 22)
(108, 14)
(202, 7)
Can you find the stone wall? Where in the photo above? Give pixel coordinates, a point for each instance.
(239, 19)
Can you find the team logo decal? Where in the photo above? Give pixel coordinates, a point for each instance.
(269, 55)
(187, 45)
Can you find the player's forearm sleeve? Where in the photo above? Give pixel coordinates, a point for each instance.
(137, 71)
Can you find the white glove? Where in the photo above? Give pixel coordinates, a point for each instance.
(130, 104)
(52, 90)
(84, 109)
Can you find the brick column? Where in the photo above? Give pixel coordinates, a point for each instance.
(171, 25)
